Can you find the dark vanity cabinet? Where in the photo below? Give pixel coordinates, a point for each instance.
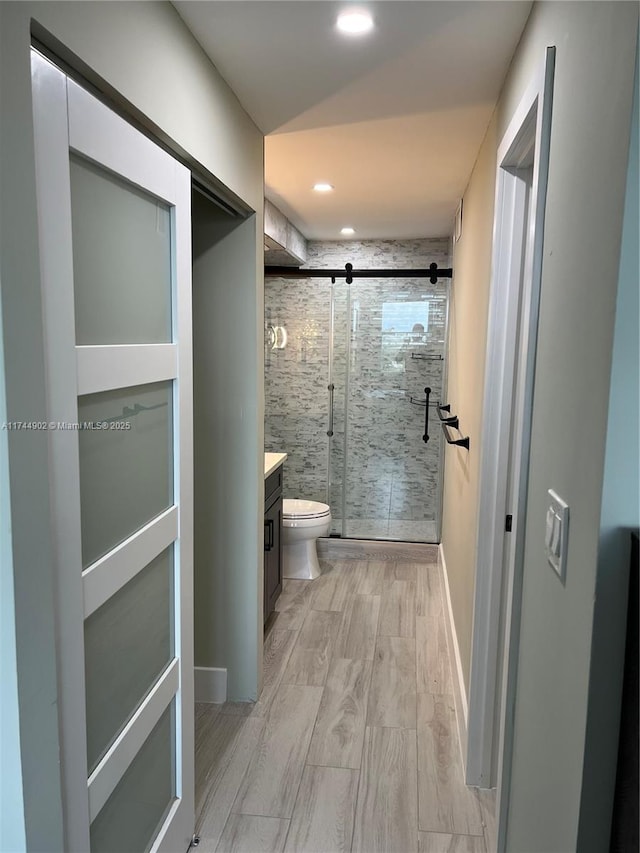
(272, 540)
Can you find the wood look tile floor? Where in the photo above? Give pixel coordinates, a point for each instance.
(353, 744)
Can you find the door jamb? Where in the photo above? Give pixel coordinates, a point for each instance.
(517, 257)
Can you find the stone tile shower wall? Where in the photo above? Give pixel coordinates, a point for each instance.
(390, 486)
(296, 398)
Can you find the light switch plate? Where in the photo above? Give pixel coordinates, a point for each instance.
(556, 545)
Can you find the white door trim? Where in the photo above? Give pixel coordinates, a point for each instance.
(124, 749)
(169, 837)
(97, 133)
(108, 574)
(513, 318)
(106, 368)
(56, 269)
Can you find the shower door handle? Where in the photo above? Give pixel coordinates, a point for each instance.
(425, 437)
(330, 389)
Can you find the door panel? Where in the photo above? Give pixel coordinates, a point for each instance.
(128, 643)
(126, 463)
(135, 810)
(114, 219)
(121, 259)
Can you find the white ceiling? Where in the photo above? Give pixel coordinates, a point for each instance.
(394, 120)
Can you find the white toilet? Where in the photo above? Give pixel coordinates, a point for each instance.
(302, 523)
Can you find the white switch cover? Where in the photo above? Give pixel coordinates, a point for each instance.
(556, 538)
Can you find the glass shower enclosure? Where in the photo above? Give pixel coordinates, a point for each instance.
(346, 368)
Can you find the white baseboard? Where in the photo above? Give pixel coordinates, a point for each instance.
(459, 691)
(210, 684)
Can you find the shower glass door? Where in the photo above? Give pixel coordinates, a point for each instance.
(396, 335)
(346, 366)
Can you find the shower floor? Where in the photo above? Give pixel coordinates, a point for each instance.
(387, 529)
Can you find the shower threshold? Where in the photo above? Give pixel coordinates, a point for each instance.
(387, 530)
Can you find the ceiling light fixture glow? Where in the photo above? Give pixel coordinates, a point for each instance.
(322, 188)
(355, 22)
(347, 231)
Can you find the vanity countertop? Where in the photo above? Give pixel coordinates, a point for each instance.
(272, 461)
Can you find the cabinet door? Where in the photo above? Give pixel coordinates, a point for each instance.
(266, 568)
(273, 556)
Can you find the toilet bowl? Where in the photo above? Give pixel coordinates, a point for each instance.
(302, 523)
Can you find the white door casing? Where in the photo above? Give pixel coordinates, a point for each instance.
(521, 181)
(69, 120)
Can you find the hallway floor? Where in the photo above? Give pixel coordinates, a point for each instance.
(353, 744)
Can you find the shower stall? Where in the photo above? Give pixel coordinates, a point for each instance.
(346, 369)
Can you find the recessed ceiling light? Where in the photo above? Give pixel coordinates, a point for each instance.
(348, 231)
(322, 188)
(355, 22)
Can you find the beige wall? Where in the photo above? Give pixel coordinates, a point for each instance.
(468, 317)
(595, 44)
(144, 51)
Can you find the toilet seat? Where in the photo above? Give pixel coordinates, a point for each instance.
(301, 509)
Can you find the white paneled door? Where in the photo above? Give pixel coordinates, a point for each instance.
(115, 245)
